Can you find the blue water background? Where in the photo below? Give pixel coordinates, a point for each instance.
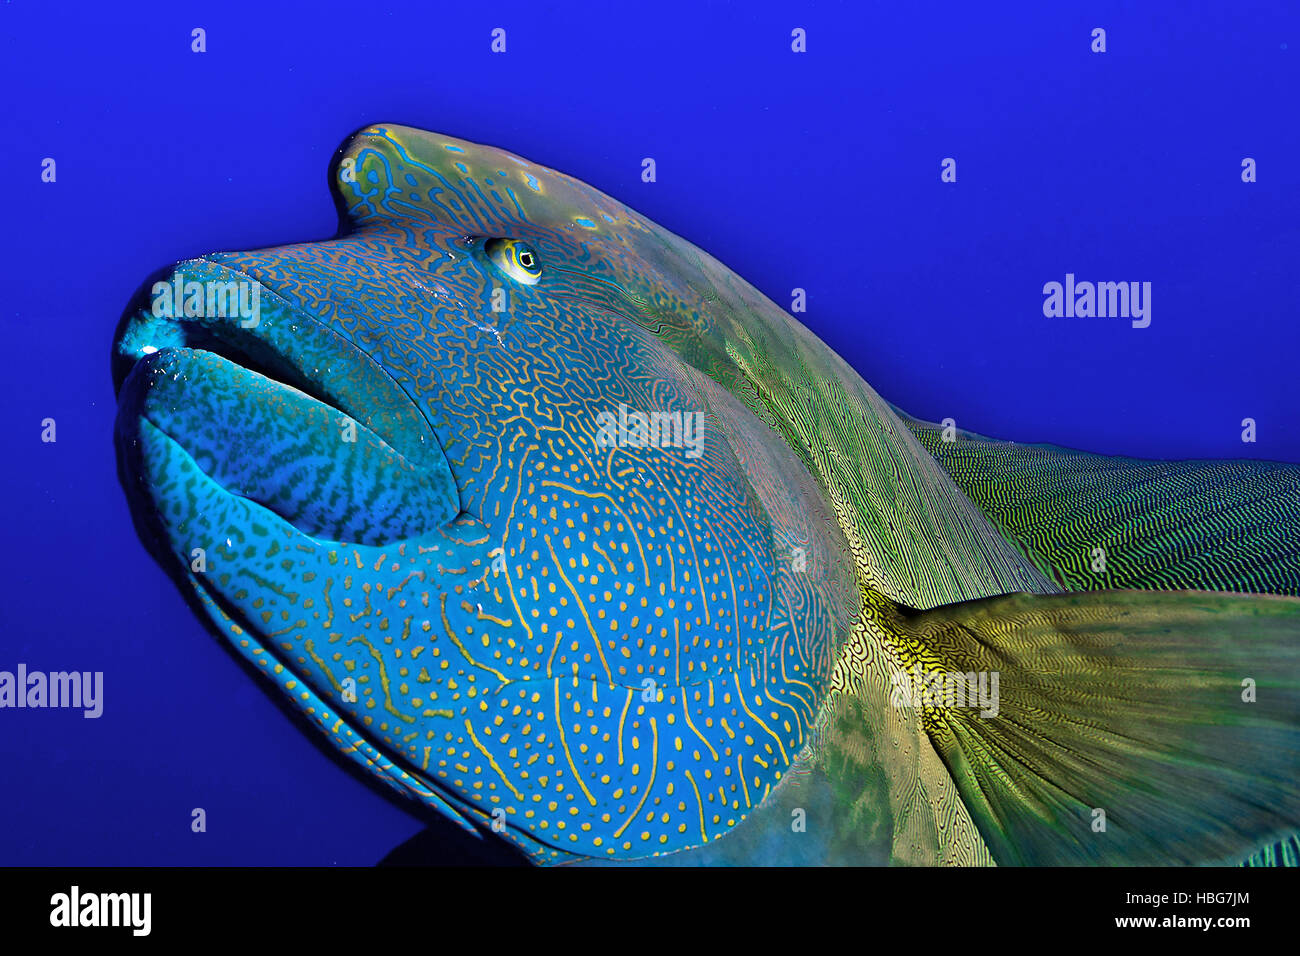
(818, 171)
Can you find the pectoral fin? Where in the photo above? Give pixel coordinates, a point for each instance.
(1127, 727)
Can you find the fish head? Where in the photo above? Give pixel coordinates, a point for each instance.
(478, 485)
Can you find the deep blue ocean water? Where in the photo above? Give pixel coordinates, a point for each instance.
(818, 170)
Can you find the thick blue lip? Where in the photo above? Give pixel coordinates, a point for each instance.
(285, 343)
(192, 411)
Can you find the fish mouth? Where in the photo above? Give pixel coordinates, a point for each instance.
(271, 405)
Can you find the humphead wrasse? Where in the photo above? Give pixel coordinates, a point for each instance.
(562, 529)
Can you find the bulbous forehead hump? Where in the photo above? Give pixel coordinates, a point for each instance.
(398, 172)
(432, 184)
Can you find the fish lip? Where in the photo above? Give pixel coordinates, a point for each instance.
(347, 344)
(284, 355)
(124, 364)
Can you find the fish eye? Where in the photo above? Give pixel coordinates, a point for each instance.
(515, 258)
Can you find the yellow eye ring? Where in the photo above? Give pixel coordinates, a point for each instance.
(515, 258)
